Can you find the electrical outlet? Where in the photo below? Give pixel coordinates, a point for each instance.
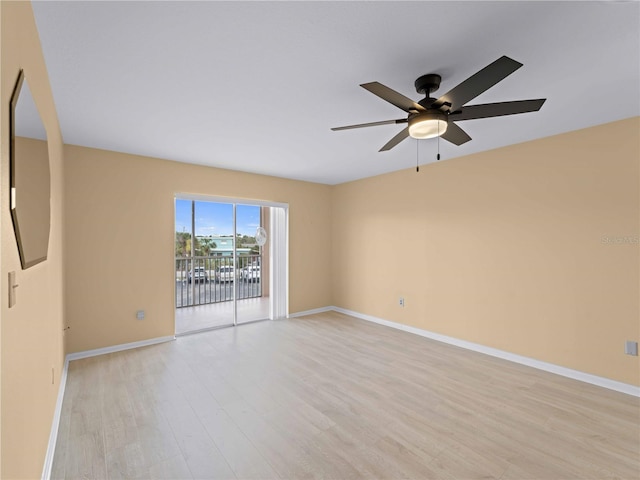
(631, 348)
(140, 314)
(401, 301)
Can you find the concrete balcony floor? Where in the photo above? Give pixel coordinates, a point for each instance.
(192, 319)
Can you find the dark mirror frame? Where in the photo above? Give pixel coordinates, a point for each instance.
(25, 260)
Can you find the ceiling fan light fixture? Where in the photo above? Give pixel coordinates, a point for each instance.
(427, 125)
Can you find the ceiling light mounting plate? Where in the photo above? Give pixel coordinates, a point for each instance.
(427, 84)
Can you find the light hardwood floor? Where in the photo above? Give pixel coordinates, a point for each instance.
(330, 396)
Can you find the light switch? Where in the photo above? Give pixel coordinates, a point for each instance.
(12, 289)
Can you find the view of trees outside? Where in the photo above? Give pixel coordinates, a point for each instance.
(205, 246)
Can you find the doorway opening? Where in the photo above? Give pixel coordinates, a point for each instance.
(230, 262)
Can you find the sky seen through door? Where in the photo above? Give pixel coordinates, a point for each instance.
(214, 218)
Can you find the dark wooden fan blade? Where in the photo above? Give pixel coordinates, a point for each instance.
(476, 84)
(395, 140)
(392, 96)
(487, 110)
(455, 134)
(371, 124)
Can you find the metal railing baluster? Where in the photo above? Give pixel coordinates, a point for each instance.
(215, 278)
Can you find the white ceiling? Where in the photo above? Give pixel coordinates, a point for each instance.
(256, 86)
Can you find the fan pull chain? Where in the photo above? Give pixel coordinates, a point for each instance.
(417, 155)
(438, 156)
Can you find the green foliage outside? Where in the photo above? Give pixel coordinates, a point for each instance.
(205, 246)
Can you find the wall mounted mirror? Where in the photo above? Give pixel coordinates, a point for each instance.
(30, 176)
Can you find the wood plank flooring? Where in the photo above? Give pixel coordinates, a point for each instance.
(330, 396)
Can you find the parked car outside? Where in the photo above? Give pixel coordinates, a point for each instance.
(225, 274)
(199, 275)
(251, 273)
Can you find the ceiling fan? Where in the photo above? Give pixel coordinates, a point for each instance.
(432, 117)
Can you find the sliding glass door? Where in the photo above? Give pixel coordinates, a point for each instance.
(223, 263)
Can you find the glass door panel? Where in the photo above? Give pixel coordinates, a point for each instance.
(204, 266)
(252, 300)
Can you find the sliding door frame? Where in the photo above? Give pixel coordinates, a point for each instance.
(278, 249)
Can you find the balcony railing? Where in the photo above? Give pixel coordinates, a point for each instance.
(212, 279)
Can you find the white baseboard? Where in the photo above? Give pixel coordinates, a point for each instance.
(55, 424)
(118, 348)
(494, 352)
(311, 312)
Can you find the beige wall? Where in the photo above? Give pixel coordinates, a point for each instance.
(31, 332)
(120, 240)
(505, 248)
